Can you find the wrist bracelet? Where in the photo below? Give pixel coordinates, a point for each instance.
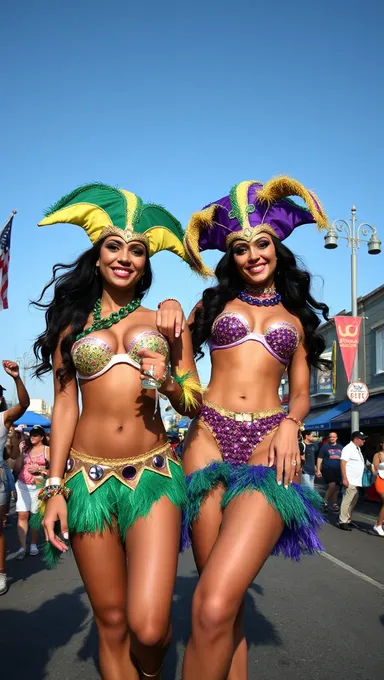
(53, 481)
(167, 300)
(295, 420)
(54, 490)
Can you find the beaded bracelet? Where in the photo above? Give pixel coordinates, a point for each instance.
(54, 490)
(295, 420)
(167, 300)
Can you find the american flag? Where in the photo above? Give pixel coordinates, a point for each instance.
(5, 249)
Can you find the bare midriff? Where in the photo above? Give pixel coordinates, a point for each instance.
(245, 378)
(117, 418)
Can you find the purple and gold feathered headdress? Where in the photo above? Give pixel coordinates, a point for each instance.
(251, 208)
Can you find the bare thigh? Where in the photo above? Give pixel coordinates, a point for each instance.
(152, 545)
(249, 531)
(102, 564)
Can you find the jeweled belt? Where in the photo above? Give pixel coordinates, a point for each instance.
(128, 471)
(242, 416)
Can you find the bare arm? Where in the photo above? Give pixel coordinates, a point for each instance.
(284, 449)
(12, 414)
(319, 463)
(64, 420)
(182, 361)
(343, 464)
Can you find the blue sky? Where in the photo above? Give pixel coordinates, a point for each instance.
(177, 102)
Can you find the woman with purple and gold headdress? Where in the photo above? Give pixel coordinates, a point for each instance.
(115, 485)
(241, 455)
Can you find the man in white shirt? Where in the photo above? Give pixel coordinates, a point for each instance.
(352, 468)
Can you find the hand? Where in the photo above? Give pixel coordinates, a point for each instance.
(170, 320)
(34, 469)
(318, 474)
(153, 360)
(283, 452)
(346, 483)
(11, 368)
(56, 510)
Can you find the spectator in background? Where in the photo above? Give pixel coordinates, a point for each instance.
(352, 468)
(328, 466)
(33, 470)
(378, 469)
(7, 418)
(308, 449)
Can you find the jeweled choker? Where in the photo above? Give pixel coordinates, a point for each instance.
(260, 297)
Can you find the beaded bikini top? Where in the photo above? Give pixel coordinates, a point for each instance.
(93, 356)
(230, 329)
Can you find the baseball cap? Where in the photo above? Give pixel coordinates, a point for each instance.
(358, 434)
(37, 430)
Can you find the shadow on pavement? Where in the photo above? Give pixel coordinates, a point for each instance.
(32, 637)
(258, 630)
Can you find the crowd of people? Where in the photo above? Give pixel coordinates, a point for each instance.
(112, 487)
(345, 470)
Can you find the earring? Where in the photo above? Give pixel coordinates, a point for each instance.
(97, 270)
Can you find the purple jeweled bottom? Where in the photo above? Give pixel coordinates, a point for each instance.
(237, 440)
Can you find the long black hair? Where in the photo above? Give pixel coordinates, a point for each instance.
(294, 286)
(74, 296)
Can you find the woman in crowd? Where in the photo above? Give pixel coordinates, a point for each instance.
(7, 418)
(378, 469)
(123, 488)
(241, 455)
(32, 467)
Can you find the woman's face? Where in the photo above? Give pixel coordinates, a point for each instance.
(256, 261)
(36, 439)
(122, 264)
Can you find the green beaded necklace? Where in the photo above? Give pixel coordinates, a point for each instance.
(99, 324)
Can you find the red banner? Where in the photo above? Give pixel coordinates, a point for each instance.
(348, 333)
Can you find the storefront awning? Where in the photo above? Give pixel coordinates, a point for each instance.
(371, 413)
(326, 419)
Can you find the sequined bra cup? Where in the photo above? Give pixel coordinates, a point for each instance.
(230, 329)
(92, 356)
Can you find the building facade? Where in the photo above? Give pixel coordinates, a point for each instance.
(329, 403)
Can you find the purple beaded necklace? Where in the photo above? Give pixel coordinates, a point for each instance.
(260, 297)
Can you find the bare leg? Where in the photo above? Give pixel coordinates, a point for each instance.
(102, 563)
(204, 535)
(205, 532)
(2, 538)
(34, 536)
(236, 558)
(22, 527)
(380, 518)
(332, 492)
(152, 545)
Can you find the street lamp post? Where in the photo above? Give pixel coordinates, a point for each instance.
(352, 233)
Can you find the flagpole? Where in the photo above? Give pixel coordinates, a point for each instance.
(13, 213)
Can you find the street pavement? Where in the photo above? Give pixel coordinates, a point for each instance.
(320, 619)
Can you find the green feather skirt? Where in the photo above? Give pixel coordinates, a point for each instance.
(113, 502)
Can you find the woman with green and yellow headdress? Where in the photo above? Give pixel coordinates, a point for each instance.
(115, 485)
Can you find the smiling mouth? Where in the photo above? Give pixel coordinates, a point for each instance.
(122, 273)
(256, 269)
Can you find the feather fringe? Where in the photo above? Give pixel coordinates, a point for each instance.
(197, 224)
(190, 386)
(96, 512)
(199, 484)
(64, 200)
(282, 187)
(299, 506)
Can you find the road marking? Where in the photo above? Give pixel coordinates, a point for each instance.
(353, 571)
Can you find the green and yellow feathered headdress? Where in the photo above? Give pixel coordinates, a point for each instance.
(102, 210)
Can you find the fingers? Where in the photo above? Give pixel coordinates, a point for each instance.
(48, 526)
(271, 456)
(295, 469)
(279, 469)
(148, 354)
